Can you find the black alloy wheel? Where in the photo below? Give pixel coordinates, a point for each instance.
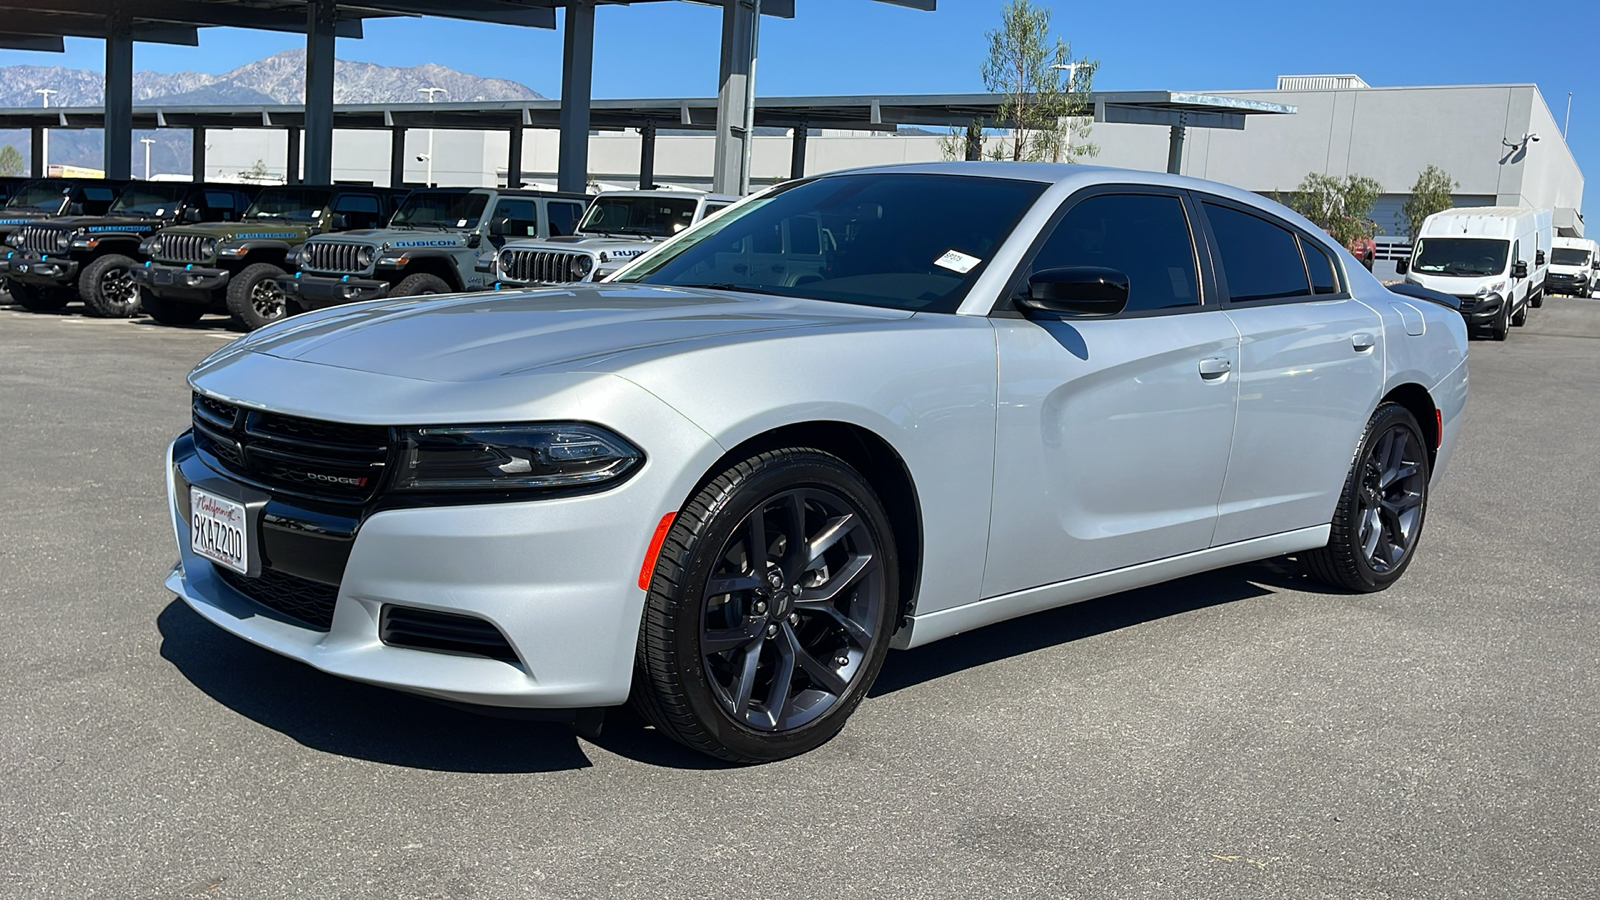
(1381, 510)
(770, 610)
(108, 289)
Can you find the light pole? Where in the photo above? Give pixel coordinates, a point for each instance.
(147, 142)
(431, 91)
(44, 164)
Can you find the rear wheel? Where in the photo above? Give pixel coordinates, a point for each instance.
(419, 284)
(1536, 301)
(38, 299)
(770, 608)
(254, 297)
(107, 287)
(1520, 318)
(171, 312)
(1381, 509)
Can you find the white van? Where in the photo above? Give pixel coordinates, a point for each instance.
(1494, 258)
(1575, 267)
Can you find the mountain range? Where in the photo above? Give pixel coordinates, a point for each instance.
(276, 79)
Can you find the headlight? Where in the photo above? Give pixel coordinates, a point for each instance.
(580, 267)
(152, 246)
(14, 239)
(365, 256)
(63, 241)
(512, 457)
(208, 246)
(1488, 289)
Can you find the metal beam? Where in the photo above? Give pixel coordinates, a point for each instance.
(197, 154)
(797, 152)
(320, 17)
(190, 13)
(924, 5)
(38, 43)
(474, 10)
(729, 166)
(514, 158)
(1175, 151)
(647, 156)
(36, 151)
(34, 23)
(577, 73)
(291, 172)
(118, 144)
(397, 156)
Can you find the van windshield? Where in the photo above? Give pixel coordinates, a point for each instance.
(1463, 257)
(1569, 256)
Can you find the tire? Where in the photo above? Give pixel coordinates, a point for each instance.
(1536, 301)
(1502, 323)
(1382, 507)
(1520, 317)
(108, 291)
(723, 702)
(38, 299)
(171, 312)
(420, 284)
(254, 298)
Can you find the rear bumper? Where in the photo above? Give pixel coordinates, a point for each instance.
(179, 281)
(316, 291)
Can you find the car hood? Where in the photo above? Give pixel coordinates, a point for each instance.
(106, 223)
(590, 328)
(589, 241)
(405, 238)
(20, 217)
(245, 230)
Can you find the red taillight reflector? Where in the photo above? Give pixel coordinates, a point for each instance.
(1438, 428)
(656, 540)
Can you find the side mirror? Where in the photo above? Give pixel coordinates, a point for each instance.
(497, 227)
(193, 214)
(1402, 265)
(474, 239)
(1538, 257)
(74, 209)
(1519, 269)
(1081, 290)
(339, 222)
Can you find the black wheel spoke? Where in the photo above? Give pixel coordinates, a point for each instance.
(730, 584)
(758, 544)
(829, 535)
(782, 679)
(1400, 473)
(829, 591)
(1392, 497)
(745, 682)
(794, 536)
(825, 677)
(724, 639)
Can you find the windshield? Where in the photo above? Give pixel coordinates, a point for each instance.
(44, 196)
(1569, 256)
(440, 209)
(149, 200)
(290, 204)
(649, 216)
(910, 241)
(1461, 256)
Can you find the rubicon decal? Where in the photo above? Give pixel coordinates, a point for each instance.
(264, 235)
(437, 243)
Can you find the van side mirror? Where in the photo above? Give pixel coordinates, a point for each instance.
(1519, 269)
(1538, 257)
(1402, 265)
(1080, 290)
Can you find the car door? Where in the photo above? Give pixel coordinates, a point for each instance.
(1112, 433)
(1310, 372)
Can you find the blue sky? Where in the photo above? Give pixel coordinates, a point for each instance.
(855, 46)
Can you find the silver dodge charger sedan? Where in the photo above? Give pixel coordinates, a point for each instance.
(865, 410)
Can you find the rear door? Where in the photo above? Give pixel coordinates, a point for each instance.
(1310, 372)
(1112, 433)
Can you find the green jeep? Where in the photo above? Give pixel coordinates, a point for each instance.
(232, 267)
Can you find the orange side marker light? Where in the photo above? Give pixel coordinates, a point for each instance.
(656, 540)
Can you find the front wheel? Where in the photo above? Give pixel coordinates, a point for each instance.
(770, 608)
(254, 297)
(1381, 509)
(107, 287)
(420, 284)
(1502, 322)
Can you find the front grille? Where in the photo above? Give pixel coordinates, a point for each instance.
(310, 602)
(331, 256)
(184, 248)
(539, 266)
(307, 458)
(41, 239)
(422, 629)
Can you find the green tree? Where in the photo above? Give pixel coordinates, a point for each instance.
(1340, 206)
(10, 161)
(1044, 90)
(1429, 195)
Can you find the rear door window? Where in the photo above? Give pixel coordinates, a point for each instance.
(1324, 278)
(563, 217)
(1260, 260)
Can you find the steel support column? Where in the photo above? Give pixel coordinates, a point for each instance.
(735, 96)
(1175, 151)
(197, 155)
(577, 74)
(647, 156)
(397, 156)
(797, 151)
(320, 16)
(118, 144)
(514, 158)
(291, 172)
(36, 151)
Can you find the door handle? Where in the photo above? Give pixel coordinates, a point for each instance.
(1215, 366)
(1362, 341)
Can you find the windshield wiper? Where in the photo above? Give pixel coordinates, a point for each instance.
(730, 286)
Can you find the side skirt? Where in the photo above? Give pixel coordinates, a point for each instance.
(930, 627)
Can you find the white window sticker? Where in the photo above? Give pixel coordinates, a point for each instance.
(461, 223)
(956, 261)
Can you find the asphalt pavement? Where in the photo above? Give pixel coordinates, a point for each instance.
(1239, 734)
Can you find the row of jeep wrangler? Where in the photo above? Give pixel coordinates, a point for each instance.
(176, 251)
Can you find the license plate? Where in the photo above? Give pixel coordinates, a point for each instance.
(160, 276)
(217, 530)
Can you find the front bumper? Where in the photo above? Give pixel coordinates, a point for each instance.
(316, 291)
(1565, 284)
(164, 279)
(1481, 310)
(51, 272)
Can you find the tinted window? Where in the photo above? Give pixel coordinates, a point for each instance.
(220, 200)
(1261, 260)
(1324, 280)
(356, 203)
(563, 217)
(518, 210)
(1145, 237)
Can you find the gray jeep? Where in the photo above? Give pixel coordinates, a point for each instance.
(440, 241)
(618, 227)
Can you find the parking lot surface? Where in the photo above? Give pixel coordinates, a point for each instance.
(1237, 734)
